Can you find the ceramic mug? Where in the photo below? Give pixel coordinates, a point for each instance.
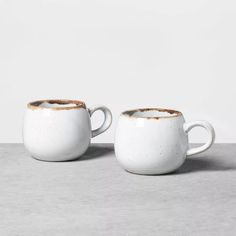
(60, 130)
(155, 141)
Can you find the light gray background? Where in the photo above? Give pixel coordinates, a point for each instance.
(124, 54)
(95, 196)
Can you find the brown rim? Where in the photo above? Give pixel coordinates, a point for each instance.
(173, 113)
(36, 104)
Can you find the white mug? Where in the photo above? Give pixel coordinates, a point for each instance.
(155, 141)
(60, 130)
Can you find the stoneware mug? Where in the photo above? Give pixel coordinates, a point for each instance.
(155, 141)
(60, 130)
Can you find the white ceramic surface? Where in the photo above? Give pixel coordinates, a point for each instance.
(155, 141)
(60, 130)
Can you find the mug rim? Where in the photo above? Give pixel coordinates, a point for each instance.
(130, 113)
(36, 104)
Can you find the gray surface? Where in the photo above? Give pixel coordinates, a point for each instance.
(94, 196)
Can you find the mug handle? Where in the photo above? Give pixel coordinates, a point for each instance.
(107, 119)
(211, 135)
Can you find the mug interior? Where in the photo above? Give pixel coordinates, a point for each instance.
(60, 104)
(152, 113)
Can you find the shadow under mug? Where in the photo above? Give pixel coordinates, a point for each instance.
(60, 130)
(155, 141)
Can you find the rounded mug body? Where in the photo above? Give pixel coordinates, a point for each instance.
(155, 141)
(57, 130)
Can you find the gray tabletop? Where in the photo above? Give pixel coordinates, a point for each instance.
(95, 196)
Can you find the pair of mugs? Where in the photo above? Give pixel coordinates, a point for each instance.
(148, 141)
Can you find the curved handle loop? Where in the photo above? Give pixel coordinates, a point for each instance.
(204, 124)
(107, 119)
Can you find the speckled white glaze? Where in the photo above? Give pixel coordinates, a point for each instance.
(60, 132)
(154, 142)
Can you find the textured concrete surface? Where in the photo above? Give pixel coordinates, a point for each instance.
(94, 196)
